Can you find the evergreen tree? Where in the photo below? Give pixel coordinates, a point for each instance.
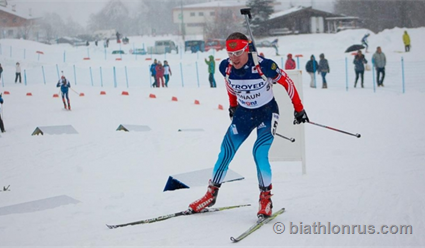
(260, 11)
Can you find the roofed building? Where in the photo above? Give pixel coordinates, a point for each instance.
(299, 20)
(14, 24)
(193, 19)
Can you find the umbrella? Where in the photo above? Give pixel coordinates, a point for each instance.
(354, 48)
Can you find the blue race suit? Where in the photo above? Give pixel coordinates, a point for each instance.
(257, 109)
(65, 85)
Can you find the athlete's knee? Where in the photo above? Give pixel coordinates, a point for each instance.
(261, 154)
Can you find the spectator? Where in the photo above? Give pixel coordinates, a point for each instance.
(118, 37)
(1, 70)
(159, 75)
(153, 73)
(65, 85)
(364, 41)
(18, 73)
(167, 72)
(275, 45)
(406, 41)
(211, 71)
(359, 62)
(1, 120)
(324, 69)
(290, 62)
(311, 68)
(379, 61)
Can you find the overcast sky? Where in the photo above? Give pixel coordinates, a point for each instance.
(80, 10)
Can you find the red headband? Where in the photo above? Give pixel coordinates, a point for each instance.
(236, 45)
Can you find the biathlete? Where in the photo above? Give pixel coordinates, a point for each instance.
(65, 85)
(249, 82)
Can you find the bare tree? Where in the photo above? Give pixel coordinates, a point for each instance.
(52, 25)
(225, 23)
(114, 15)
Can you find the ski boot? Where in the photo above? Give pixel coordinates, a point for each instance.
(265, 202)
(207, 200)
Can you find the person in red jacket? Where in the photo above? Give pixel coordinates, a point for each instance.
(249, 80)
(290, 63)
(159, 75)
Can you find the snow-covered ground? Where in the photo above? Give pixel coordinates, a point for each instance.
(101, 176)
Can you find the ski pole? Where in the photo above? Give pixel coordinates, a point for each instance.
(290, 139)
(74, 91)
(247, 13)
(334, 129)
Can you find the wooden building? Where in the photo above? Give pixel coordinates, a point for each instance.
(297, 20)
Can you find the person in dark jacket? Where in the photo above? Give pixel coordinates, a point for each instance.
(65, 85)
(153, 73)
(18, 73)
(167, 72)
(118, 37)
(359, 62)
(1, 120)
(1, 70)
(324, 69)
(290, 62)
(379, 61)
(311, 67)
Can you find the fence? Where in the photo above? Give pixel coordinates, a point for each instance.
(102, 69)
(400, 76)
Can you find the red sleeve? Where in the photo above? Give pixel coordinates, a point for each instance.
(283, 79)
(232, 95)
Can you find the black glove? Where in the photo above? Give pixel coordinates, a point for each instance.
(232, 111)
(300, 117)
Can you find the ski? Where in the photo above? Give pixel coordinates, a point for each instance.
(181, 213)
(257, 225)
